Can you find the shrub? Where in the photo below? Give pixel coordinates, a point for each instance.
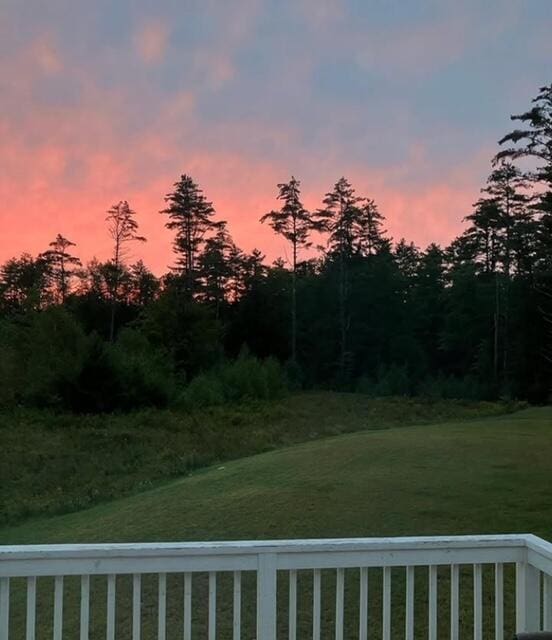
(246, 378)
(145, 374)
(390, 381)
(41, 356)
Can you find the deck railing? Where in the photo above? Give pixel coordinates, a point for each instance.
(454, 587)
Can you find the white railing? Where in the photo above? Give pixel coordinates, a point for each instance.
(460, 586)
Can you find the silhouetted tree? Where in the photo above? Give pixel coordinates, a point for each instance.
(294, 223)
(190, 216)
(123, 229)
(62, 266)
(341, 220)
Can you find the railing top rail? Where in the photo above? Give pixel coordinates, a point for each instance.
(248, 547)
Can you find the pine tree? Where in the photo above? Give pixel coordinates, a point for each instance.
(341, 219)
(534, 141)
(190, 215)
(62, 266)
(123, 229)
(294, 223)
(215, 268)
(371, 228)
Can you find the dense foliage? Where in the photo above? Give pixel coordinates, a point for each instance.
(473, 319)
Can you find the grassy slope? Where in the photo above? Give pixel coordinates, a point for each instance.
(488, 475)
(485, 475)
(59, 463)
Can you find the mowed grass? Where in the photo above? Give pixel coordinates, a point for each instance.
(488, 475)
(56, 463)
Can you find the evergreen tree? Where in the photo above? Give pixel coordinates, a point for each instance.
(294, 223)
(190, 216)
(215, 268)
(24, 284)
(62, 266)
(123, 229)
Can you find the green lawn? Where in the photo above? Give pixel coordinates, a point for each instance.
(487, 475)
(483, 476)
(55, 463)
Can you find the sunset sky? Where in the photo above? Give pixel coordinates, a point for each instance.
(113, 99)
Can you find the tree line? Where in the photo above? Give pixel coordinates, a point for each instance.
(350, 309)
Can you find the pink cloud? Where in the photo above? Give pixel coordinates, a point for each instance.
(151, 40)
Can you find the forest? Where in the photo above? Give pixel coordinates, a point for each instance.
(350, 308)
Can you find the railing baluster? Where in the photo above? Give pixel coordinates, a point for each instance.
(110, 628)
(477, 602)
(454, 601)
(136, 606)
(432, 609)
(409, 613)
(386, 631)
(162, 607)
(339, 602)
(4, 608)
(85, 607)
(187, 606)
(499, 601)
(527, 597)
(316, 579)
(212, 605)
(31, 609)
(547, 603)
(292, 605)
(237, 606)
(363, 605)
(58, 607)
(266, 596)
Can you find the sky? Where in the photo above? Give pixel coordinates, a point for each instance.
(105, 101)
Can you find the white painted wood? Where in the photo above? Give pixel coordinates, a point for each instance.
(26, 560)
(432, 609)
(236, 626)
(454, 601)
(527, 598)
(58, 607)
(85, 608)
(162, 607)
(499, 602)
(363, 605)
(31, 609)
(409, 605)
(477, 602)
(292, 607)
(212, 605)
(316, 583)
(339, 603)
(266, 597)
(237, 606)
(4, 608)
(530, 553)
(547, 603)
(110, 624)
(386, 628)
(187, 606)
(136, 606)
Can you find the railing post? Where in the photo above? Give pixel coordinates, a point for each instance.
(528, 598)
(266, 597)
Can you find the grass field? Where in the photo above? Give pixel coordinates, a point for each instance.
(486, 475)
(54, 463)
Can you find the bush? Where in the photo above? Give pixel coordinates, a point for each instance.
(451, 388)
(41, 356)
(246, 378)
(146, 374)
(47, 360)
(391, 381)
